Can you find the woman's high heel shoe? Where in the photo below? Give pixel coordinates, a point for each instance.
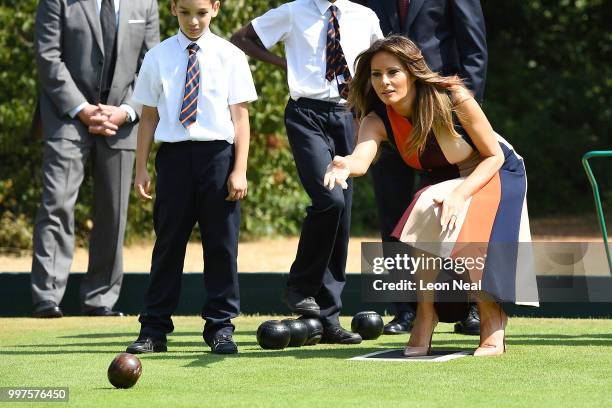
(417, 351)
(490, 350)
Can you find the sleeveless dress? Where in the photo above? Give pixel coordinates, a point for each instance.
(493, 225)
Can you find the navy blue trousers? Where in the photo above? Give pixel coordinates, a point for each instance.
(191, 188)
(318, 131)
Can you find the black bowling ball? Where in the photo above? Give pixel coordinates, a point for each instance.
(369, 325)
(299, 332)
(315, 330)
(273, 335)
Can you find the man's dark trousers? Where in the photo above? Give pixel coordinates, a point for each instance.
(192, 187)
(318, 131)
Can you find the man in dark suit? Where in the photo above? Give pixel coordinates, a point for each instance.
(451, 35)
(88, 55)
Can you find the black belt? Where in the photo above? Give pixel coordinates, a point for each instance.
(318, 104)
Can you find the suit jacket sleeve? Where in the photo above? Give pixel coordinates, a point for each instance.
(150, 40)
(55, 79)
(470, 32)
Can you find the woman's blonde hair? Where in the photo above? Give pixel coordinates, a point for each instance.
(432, 109)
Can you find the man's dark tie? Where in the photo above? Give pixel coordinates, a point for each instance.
(108, 23)
(336, 62)
(402, 6)
(189, 107)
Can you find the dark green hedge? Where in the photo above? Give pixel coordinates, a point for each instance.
(548, 92)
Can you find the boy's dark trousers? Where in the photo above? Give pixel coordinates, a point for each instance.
(192, 187)
(318, 131)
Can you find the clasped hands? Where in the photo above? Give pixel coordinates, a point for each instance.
(102, 119)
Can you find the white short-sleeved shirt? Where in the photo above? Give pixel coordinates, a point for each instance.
(225, 79)
(302, 26)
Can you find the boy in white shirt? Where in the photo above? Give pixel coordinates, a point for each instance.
(195, 88)
(322, 39)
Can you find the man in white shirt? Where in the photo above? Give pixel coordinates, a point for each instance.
(88, 55)
(322, 39)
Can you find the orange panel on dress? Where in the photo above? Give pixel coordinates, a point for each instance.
(402, 128)
(480, 217)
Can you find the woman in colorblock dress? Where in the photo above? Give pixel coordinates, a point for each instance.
(473, 198)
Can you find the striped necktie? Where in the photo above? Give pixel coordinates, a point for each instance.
(189, 108)
(336, 64)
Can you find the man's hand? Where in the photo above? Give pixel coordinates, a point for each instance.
(237, 186)
(107, 120)
(86, 113)
(115, 114)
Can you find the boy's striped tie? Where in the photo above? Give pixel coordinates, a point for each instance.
(189, 107)
(336, 64)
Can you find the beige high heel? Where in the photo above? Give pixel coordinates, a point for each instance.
(490, 350)
(419, 351)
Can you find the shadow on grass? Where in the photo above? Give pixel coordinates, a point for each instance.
(203, 357)
(124, 344)
(306, 353)
(135, 333)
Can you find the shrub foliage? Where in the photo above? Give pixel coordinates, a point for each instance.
(548, 93)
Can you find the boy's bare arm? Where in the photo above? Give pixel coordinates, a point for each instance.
(146, 131)
(248, 41)
(237, 182)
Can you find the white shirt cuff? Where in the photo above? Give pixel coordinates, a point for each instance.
(75, 111)
(129, 110)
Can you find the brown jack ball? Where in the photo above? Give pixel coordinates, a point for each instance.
(124, 371)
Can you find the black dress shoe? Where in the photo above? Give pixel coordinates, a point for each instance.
(104, 311)
(147, 345)
(300, 304)
(471, 324)
(338, 335)
(222, 343)
(47, 309)
(401, 323)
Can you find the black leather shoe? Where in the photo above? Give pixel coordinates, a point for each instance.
(471, 324)
(104, 311)
(338, 335)
(147, 345)
(47, 309)
(223, 343)
(400, 324)
(300, 304)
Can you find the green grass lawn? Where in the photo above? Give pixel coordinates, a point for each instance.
(550, 362)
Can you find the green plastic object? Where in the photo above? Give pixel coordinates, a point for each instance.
(598, 207)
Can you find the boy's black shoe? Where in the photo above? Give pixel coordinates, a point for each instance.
(147, 345)
(401, 323)
(338, 335)
(471, 324)
(223, 343)
(300, 304)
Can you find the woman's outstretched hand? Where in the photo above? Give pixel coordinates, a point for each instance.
(337, 172)
(452, 205)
